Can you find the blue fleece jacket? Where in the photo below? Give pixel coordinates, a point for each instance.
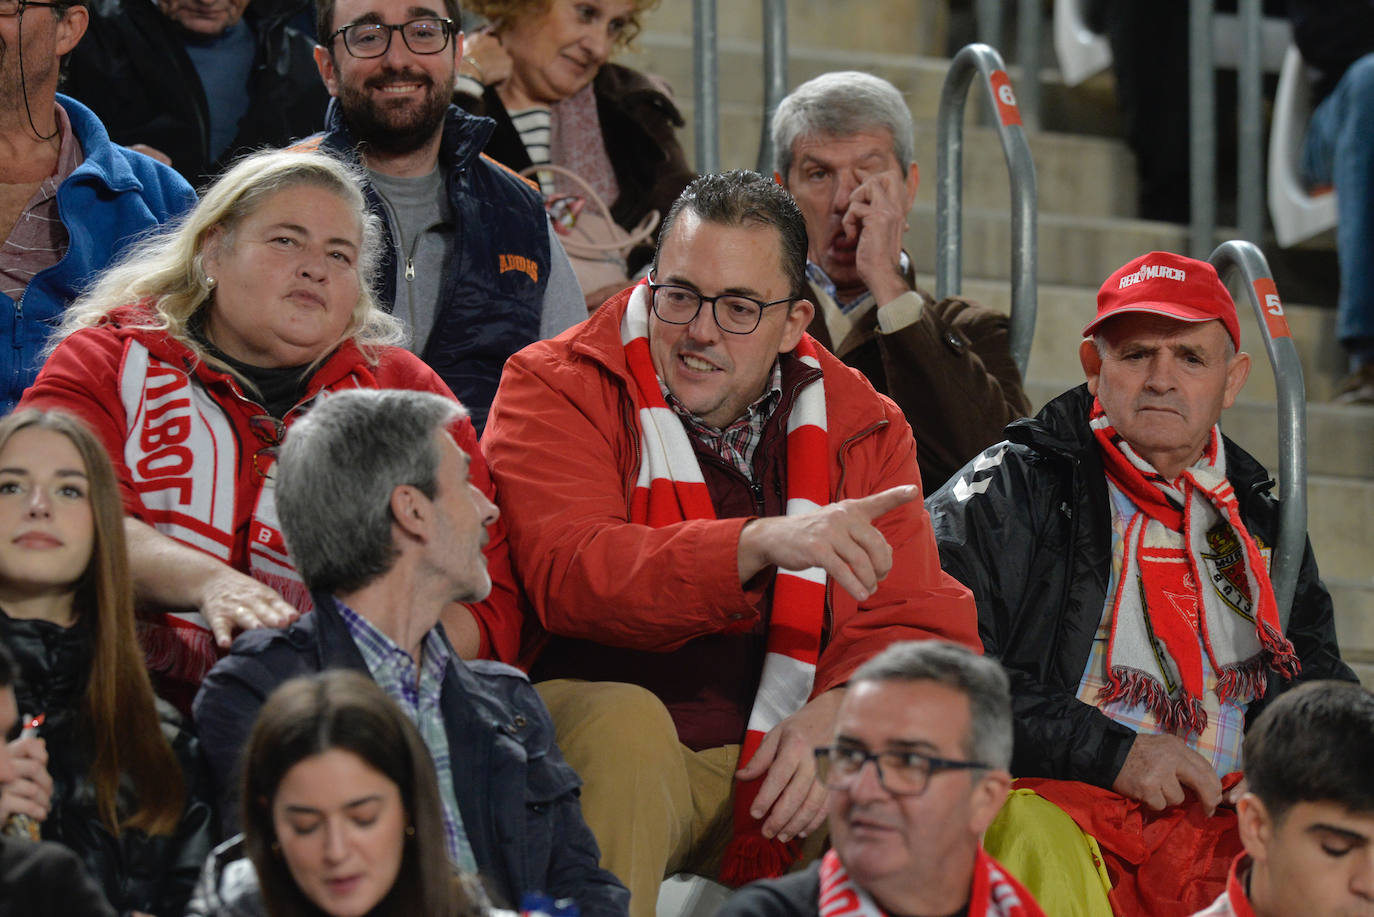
(107, 202)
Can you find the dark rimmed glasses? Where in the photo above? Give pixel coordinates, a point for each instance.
(901, 773)
(16, 7)
(428, 35)
(270, 431)
(734, 314)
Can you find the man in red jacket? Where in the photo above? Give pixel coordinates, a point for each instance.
(716, 522)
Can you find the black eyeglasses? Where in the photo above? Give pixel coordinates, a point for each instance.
(17, 7)
(733, 313)
(372, 39)
(901, 773)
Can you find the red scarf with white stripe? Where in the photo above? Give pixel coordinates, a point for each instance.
(670, 489)
(1190, 571)
(994, 892)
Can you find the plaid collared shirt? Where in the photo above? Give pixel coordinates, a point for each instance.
(737, 442)
(394, 669)
(1221, 742)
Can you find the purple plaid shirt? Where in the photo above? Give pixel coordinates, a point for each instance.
(737, 442)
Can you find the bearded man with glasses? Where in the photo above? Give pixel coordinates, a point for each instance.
(70, 200)
(471, 266)
(716, 522)
(934, 721)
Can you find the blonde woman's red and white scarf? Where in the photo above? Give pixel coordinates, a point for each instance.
(1190, 571)
(670, 489)
(994, 892)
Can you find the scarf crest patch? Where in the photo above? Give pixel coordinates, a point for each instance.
(670, 488)
(1193, 580)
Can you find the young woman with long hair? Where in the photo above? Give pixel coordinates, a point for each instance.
(110, 774)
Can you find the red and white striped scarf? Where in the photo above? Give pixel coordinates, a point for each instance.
(1190, 570)
(994, 892)
(670, 489)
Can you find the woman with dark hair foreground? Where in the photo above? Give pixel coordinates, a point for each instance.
(341, 814)
(110, 773)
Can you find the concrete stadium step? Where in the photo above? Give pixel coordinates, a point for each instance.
(1063, 310)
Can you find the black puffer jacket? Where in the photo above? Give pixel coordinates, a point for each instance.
(1027, 526)
(131, 68)
(137, 872)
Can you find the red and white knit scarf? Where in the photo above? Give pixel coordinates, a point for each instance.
(1190, 570)
(994, 893)
(671, 489)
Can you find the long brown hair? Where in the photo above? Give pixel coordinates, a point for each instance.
(346, 710)
(121, 716)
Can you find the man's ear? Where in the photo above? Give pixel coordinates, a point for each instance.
(799, 316)
(410, 509)
(324, 62)
(1237, 371)
(457, 48)
(1092, 363)
(70, 28)
(988, 796)
(913, 181)
(1256, 827)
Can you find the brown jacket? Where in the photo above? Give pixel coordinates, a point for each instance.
(950, 371)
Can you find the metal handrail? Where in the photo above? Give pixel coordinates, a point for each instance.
(1202, 128)
(979, 58)
(774, 74)
(1244, 258)
(705, 67)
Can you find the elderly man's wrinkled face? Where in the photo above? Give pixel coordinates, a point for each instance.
(716, 374)
(825, 171)
(1317, 860)
(204, 17)
(1163, 383)
(44, 35)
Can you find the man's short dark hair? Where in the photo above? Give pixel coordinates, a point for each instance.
(1314, 743)
(741, 197)
(324, 19)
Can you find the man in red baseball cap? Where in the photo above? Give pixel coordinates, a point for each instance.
(1118, 549)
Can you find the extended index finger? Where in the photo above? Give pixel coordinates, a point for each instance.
(885, 501)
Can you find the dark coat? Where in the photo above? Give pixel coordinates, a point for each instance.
(1027, 526)
(639, 126)
(138, 872)
(517, 796)
(46, 880)
(131, 68)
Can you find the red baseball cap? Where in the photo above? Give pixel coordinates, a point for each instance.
(1163, 283)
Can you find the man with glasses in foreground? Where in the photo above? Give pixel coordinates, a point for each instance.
(934, 720)
(716, 521)
(472, 266)
(70, 200)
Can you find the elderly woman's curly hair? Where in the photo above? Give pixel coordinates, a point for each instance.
(501, 13)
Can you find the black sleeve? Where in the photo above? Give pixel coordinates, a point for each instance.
(1005, 529)
(795, 895)
(50, 879)
(225, 708)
